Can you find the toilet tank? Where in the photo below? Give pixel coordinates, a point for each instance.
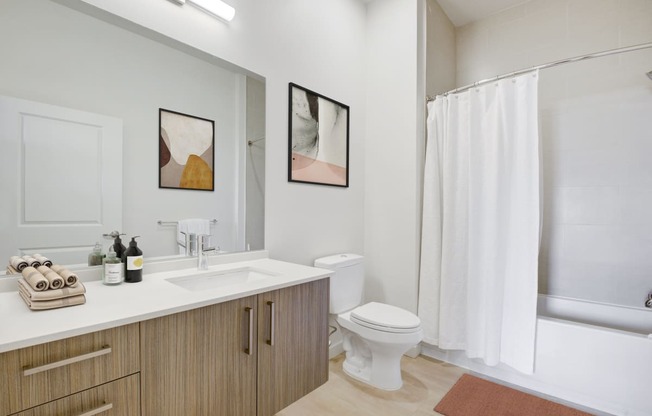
(346, 282)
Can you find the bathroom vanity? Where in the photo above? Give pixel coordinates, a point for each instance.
(247, 337)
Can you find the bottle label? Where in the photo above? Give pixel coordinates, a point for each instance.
(134, 262)
(113, 273)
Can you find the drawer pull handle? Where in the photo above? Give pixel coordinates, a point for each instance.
(270, 341)
(250, 340)
(103, 351)
(98, 410)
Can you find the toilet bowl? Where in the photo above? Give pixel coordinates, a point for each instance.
(375, 335)
(374, 349)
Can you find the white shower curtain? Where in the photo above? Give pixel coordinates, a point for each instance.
(481, 220)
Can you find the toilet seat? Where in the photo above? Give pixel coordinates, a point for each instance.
(385, 318)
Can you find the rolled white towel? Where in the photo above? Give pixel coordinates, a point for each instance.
(54, 280)
(35, 279)
(43, 260)
(69, 277)
(32, 262)
(18, 263)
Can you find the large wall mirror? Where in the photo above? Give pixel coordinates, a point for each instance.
(67, 75)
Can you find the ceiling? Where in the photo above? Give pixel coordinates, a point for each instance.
(461, 12)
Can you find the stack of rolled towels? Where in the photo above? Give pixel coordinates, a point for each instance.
(45, 285)
(17, 263)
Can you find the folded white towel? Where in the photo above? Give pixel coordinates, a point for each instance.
(191, 226)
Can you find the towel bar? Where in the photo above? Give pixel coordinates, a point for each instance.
(159, 222)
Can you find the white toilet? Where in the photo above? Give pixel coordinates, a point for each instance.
(375, 335)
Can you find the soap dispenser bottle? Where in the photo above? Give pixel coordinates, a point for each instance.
(133, 262)
(95, 257)
(118, 247)
(112, 273)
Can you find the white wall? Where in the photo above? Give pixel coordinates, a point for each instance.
(255, 166)
(370, 60)
(596, 134)
(393, 148)
(440, 51)
(56, 55)
(318, 45)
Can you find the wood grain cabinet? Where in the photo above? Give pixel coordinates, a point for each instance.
(293, 344)
(246, 357)
(193, 363)
(117, 398)
(32, 376)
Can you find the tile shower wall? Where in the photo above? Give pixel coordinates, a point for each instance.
(596, 129)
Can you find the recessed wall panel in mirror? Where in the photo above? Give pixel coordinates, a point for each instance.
(56, 55)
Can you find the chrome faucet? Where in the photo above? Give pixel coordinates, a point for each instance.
(202, 257)
(648, 302)
(190, 243)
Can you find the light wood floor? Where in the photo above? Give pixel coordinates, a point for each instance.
(425, 381)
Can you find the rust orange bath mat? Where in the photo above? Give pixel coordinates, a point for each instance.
(473, 396)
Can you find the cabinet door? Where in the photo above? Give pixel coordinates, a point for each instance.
(200, 362)
(293, 344)
(118, 398)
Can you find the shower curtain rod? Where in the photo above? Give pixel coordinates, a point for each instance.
(549, 65)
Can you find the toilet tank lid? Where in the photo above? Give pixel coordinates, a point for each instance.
(338, 260)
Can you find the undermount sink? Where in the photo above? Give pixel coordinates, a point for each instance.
(220, 278)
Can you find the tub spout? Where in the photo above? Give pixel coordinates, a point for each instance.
(648, 302)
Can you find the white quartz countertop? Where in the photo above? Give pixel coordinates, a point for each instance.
(112, 306)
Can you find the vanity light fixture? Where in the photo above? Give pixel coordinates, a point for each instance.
(215, 8)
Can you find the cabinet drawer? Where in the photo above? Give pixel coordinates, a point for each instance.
(42, 373)
(117, 398)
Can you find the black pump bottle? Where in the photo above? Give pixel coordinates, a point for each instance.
(118, 247)
(133, 262)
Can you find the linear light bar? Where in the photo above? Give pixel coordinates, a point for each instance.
(216, 8)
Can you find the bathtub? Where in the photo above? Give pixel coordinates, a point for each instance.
(592, 354)
(623, 318)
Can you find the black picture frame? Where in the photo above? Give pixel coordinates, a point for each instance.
(181, 137)
(318, 150)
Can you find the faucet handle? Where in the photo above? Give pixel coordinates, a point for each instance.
(190, 243)
(200, 243)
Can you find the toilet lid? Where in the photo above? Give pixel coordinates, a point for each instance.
(386, 318)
